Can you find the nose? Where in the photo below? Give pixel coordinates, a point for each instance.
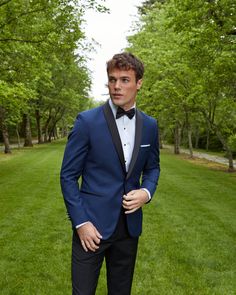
(117, 85)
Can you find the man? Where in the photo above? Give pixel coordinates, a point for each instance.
(110, 147)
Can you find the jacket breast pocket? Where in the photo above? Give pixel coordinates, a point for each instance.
(144, 150)
(145, 146)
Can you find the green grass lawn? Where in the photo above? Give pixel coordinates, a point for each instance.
(188, 245)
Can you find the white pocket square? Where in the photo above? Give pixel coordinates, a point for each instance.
(144, 145)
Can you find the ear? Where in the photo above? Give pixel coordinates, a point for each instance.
(139, 84)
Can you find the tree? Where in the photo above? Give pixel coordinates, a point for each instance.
(187, 48)
(38, 40)
(13, 99)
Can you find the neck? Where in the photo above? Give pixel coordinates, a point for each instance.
(124, 107)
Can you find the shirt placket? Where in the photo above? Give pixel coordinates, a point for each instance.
(126, 141)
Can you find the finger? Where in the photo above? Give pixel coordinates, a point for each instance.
(131, 211)
(84, 246)
(129, 208)
(127, 197)
(87, 245)
(92, 246)
(99, 236)
(96, 240)
(130, 203)
(131, 193)
(124, 197)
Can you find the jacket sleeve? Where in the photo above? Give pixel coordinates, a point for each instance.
(151, 171)
(72, 166)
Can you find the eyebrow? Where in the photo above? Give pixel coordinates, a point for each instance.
(122, 77)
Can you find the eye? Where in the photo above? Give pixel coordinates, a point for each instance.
(112, 80)
(125, 80)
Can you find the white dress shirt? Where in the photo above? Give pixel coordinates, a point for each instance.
(126, 129)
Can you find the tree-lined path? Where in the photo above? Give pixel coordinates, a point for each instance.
(203, 155)
(188, 48)
(191, 222)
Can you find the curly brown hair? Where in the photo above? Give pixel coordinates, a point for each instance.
(126, 61)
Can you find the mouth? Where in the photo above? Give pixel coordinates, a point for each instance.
(118, 95)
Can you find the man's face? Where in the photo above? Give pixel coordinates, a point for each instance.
(123, 87)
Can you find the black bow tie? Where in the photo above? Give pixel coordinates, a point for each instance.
(121, 112)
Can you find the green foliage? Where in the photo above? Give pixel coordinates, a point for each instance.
(13, 99)
(43, 66)
(188, 51)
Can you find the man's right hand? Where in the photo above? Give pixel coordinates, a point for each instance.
(89, 237)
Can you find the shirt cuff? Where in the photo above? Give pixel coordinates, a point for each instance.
(147, 191)
(79, 225)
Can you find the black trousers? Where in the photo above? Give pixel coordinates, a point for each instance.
(119, 252)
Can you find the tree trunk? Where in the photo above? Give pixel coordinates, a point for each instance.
(197, 135)
(218, 133)
(53, 125)
(7, 149)
(50, 136)
(177, 139)
(18, 136)
(52, 132)
(64, 131)
(56, 133)
(190, 144)
(45, 128)
(5, 134)
(231, 161)
(189, 130)
(228, 150)
(208, 139)
(160, 139)
(39, 128)
(27, 131)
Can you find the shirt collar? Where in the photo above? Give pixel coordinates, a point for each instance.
(114, 107)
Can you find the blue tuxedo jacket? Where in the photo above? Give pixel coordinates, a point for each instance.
(94, 153)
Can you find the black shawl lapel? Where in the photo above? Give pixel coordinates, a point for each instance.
(114, 133)
(137, 142)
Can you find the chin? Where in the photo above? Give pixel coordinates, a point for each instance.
(118, 102)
